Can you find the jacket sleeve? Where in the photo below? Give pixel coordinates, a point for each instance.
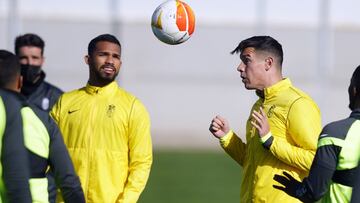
(55, 111)
(140, 153)
(14, 159)
(303, 129)
(356, 191)
(62, 167)
(234, 146)
(54, 93)
(322, 170)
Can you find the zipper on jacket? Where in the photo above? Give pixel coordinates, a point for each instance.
(88, 164)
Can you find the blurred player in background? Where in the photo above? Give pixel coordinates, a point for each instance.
(292, 145)
(333, 171)
(45, 147)
(14, 173)
(106, 129)
(30, 50)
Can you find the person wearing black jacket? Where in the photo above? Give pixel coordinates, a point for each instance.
(30, 50)
(14, 176)
(44, 144)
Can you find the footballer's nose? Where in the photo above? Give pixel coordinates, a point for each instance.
(241, 67)
(109, 60)
(26, 61)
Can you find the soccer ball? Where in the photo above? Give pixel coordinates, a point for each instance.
(173, 22)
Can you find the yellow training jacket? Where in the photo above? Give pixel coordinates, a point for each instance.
(295, 124)
(107, 133)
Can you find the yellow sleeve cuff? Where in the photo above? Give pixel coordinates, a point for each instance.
(225, 139)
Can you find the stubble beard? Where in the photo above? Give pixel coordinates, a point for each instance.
(102, 78)
(105, 78)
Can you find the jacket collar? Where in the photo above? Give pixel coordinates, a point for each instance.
(277, 87)
(17, 95)
(106, 90)
(355, 113)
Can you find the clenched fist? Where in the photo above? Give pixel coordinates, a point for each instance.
(219, 127)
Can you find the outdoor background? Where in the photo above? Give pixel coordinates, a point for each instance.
(185, 86)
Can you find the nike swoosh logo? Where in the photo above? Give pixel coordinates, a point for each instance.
(72, 111)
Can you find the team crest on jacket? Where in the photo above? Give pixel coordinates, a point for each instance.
(45, 103)
(271, 111)
(110, 111)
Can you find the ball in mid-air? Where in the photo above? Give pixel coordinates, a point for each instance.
(173, 22)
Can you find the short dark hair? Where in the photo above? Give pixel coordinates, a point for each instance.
(101, 38)
(355, 80)
(9, 68)
(354, 97)
(262, 43)
(29, 39)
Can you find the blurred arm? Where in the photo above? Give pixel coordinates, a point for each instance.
(14, 159)
(140, 154)
(62, 167)
(321, 172)
(55, 111)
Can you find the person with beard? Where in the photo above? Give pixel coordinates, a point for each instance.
(106, 129)
(332, 175)
(30, 50)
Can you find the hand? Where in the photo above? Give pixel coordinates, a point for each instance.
(292, 187)
(219, 127)
(261, 122)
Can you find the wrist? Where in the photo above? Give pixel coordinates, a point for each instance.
(226, 135)
(224, 141)
(267, 140)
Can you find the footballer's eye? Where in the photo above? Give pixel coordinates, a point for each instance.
(245, 60)
(103, 54)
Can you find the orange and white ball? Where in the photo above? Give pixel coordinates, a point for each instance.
(173, 22)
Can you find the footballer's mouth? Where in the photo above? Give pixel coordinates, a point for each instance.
(244, 80)
(109, 69)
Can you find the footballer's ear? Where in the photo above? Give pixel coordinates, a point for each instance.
(42, 60)
(355, 91)
(86, 59)
(268, 63)
(19, 83)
